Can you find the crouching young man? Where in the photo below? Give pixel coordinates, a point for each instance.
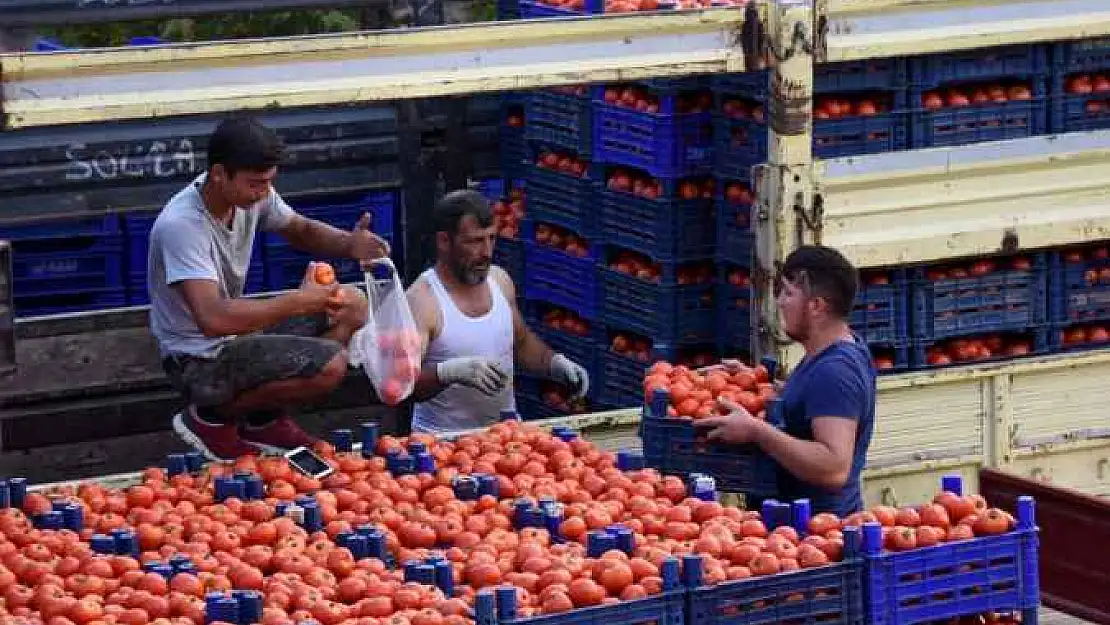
(243, 363)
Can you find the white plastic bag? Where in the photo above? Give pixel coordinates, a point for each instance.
(388, 346)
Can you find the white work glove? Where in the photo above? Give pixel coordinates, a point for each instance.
(477, 373)
(572, 374)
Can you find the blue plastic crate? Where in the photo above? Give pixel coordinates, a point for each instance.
(890, 74)
(665, 608)
(667, 144)
(1078, 291)
(1059, 341)
(580, 349)
(881, 312)
(1004, 300)
(561, 199)
(285, 269)
(961, 578)
(553, 276)
(664, 229)
(1081, 55)
(530, 404)
(1025, 60)
(853, 136)
(750, 85)
(67, 265)
(508, 10)
(827, 594)
(89, 299)
(898, 357)
(344, 212)
(559, 120)
(1040, 340)
(674, 446)
(735, 239)
(979, 122)
(530, 9)
(509, 255)
(70, 227)
(738, 145)
(1079, 113)
(667, 312)
(734, 314)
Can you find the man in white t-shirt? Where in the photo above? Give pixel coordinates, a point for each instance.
(241, 363)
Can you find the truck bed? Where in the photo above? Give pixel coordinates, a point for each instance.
(1075, 538)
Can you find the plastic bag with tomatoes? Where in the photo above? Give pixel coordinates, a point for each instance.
(388, 346)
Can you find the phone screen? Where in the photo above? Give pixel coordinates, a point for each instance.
(309, 463)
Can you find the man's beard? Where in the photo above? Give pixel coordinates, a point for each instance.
(470, 275)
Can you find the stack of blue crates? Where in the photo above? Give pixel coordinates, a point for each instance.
(657, 135)
(285, 265)
(67, 265)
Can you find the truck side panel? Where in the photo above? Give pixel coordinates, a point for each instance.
(1075, 533)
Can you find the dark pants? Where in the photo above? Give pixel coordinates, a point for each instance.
(289, 350)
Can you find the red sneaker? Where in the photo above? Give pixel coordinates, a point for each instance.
(278, 436)
(216, 442)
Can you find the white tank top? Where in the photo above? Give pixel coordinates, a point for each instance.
(460, 407)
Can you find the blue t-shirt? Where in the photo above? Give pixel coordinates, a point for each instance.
(837, 382)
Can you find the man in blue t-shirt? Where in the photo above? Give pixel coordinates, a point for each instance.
(829, 399)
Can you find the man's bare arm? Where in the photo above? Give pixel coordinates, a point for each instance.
(317, 237)
(825, 461)
(531, 352)
(219, 316)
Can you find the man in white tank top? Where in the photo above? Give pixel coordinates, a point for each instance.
(465, 309)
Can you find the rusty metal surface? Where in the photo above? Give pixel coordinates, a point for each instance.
(1075, 543)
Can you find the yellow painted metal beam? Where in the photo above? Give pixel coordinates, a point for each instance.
(863, 29)
(929, 205)
(121, 83)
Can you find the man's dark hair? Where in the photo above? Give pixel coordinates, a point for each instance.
(450, 210)
(824, 273)
(244, 144)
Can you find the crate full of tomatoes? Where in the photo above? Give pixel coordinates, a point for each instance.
(953, 557)
(675, 397)
(988, 295)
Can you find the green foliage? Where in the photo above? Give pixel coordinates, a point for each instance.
(214, 27)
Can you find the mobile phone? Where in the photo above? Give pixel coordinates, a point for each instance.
(307, 462)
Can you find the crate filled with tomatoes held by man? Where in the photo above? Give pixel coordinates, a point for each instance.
(663, 127)
(675, 396)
